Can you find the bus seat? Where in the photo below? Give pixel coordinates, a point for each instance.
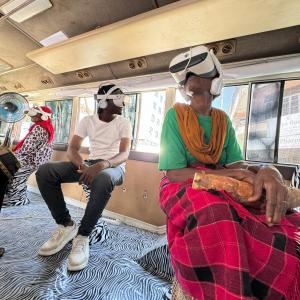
(16, 194)
(295, 181)
(100, 233)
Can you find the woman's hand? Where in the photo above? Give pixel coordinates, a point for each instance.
(242, 174)
(270, 180)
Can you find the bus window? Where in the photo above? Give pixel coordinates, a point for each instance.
(289, 140)
(263, 121)
(61, 119)
(87, 107)
(233, 101)
(152, 108)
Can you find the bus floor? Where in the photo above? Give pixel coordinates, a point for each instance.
(113, 272)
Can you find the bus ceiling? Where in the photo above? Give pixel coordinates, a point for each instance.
(64, 44)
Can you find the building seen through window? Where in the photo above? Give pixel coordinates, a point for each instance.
(87, 107)
(61, 119)
(289, 138)
(151, 114)
(263, 121)
(233, 101)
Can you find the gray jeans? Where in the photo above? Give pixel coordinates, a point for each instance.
(49, 178)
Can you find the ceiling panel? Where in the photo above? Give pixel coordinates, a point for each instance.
(74, 19)
(162, 30)
(14, 46)
(164, 2)
(3, 1)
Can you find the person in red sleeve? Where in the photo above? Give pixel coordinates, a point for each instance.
(32, 151)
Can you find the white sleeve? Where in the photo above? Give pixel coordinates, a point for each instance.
(126, 129)
(81, 129)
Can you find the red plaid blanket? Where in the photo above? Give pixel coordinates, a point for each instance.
(222, 250)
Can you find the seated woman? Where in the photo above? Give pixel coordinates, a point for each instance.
(32, 151)
(220, 248)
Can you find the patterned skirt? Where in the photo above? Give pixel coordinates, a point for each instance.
(221, 250)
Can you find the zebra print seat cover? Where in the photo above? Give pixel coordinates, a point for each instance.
(16, 194)
(295, 182)
(100, 233)
(157, 262)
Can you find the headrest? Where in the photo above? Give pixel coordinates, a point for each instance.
(198, 60)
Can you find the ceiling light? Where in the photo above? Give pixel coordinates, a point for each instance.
(26, 12)
(54, 38)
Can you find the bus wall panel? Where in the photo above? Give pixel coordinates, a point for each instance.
(137, 197)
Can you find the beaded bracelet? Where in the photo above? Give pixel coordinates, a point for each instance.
(109, 163)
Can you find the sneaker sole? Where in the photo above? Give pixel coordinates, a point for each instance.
(77, 268)
(56, 250)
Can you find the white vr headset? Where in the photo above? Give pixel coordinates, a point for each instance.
(201, 62)
(33, 111)
(119, 99)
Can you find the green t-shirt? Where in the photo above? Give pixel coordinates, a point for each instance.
(175, 155)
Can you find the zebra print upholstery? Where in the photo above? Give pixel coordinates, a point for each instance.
(295, 182)
(157, 262)
(100, 233)
(16, 194)
(112, 272)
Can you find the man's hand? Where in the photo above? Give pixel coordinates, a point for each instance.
(89, 172)
(269, 180)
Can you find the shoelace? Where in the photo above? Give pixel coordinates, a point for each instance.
(78, 246)
(57, 233)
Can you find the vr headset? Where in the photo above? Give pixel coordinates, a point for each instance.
(200, 62)
(33, 111)
(119, 99)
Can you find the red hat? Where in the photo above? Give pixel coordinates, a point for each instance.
(46, 109)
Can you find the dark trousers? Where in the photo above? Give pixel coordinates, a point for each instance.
(3, 186)
(49, 178)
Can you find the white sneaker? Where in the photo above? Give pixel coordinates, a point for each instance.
(79, 256)
(60, 237)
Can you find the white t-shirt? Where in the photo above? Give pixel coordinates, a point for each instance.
(104, 137)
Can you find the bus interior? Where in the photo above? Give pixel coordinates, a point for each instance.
(57, 52)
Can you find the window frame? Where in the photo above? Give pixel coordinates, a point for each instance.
(64, 146)
(250, 84)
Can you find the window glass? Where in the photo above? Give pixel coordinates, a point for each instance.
(26, 123)
(61, 119)
(149, 127)
(233, 101)
(3, 129)
(87, 107)
(179, 97)
(289, 138)
(130, 111)
(263, 121)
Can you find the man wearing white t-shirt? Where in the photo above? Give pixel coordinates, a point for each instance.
(110, 137)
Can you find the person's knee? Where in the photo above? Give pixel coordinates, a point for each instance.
(43, 172)
(103, 181)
